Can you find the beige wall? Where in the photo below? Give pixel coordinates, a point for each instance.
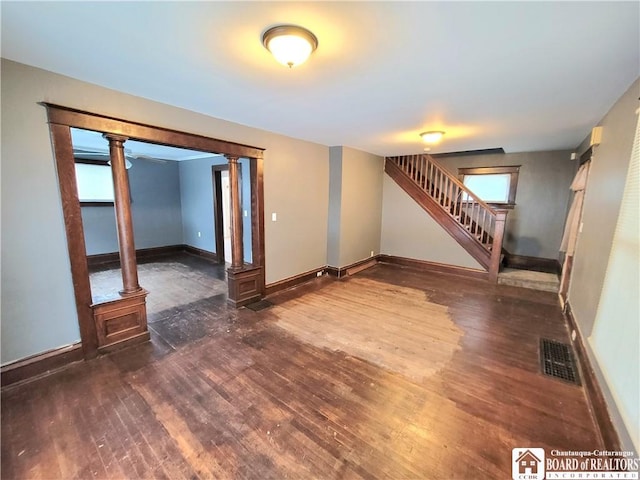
(605, 185)
(355, 206)
(615, 339)
(38, 310)
(608, 318)
(409, 231)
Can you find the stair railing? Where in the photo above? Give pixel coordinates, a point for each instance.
(482, 221)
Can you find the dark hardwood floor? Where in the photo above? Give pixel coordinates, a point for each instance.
(391, 373)
(173, 281)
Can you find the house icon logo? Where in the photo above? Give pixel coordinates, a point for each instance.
(527, 463)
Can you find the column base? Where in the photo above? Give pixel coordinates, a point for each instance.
(126, 293)
(245, 285)
(121, 320)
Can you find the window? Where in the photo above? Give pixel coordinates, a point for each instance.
(494, 185)
(95, 183)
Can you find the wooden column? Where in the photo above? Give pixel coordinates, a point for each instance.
(237, 249)
(496, 248)
(246, 282)
(124, 222)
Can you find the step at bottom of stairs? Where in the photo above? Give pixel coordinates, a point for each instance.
(547, 282)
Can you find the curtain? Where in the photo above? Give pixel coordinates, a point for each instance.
(573, 218)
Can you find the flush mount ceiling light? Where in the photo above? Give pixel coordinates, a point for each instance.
(433, 136)
(289, 44)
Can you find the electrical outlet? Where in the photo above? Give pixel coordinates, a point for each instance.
(199, 234)
(246, 214)
(371, 253)
(274, 217)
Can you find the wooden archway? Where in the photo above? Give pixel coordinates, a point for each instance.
(123, 320)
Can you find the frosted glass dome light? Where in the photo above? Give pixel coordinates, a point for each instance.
(432, 137)
(289, 44)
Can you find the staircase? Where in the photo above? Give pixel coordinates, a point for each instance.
(476, 226)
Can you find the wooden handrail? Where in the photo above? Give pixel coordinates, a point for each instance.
(475, 225)
(451, 177)
(484, 223)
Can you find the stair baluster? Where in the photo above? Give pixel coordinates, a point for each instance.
(480, 228)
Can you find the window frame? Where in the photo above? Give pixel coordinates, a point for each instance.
(513, 171)
(105, 203)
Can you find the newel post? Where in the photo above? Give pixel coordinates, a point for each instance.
(496, 248)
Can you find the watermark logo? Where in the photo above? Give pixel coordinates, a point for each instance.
(527, 463)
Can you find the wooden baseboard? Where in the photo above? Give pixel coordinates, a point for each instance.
(127, 342)
(103, 259)
(333, 271)
(199, 252)
(434, 267)
(537, 264)
(352, 269)
(293, 281)
(40, 364)
(595, 397)
(148, 253)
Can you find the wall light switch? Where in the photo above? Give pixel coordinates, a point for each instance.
(246, 214)
(199, 234)
(274, 216)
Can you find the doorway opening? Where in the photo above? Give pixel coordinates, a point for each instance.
(122, 320)
(222, 214)
(161, 206)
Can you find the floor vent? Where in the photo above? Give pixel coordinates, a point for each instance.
(557, 360)
(259, 305)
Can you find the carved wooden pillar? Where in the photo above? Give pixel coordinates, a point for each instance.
(244, 280)
(124, 221)
(496, 248)
(237, 249)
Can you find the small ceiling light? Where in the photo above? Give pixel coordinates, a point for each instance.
(289, 44)
(432, 136)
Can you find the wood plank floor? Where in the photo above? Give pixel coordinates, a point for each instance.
(388, 374)
(172, 280)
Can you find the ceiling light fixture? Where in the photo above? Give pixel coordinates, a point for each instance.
(433, 136)
(289, 44)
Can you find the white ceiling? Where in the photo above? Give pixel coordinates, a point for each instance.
(93, 142)
(523, 76)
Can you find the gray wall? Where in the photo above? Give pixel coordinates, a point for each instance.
(38, 308)
(535, 225)
(335, 198)
(605, 185)
(355, 206)
(409, 231)
(155, 207)
(196, 191)
(611, 336)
